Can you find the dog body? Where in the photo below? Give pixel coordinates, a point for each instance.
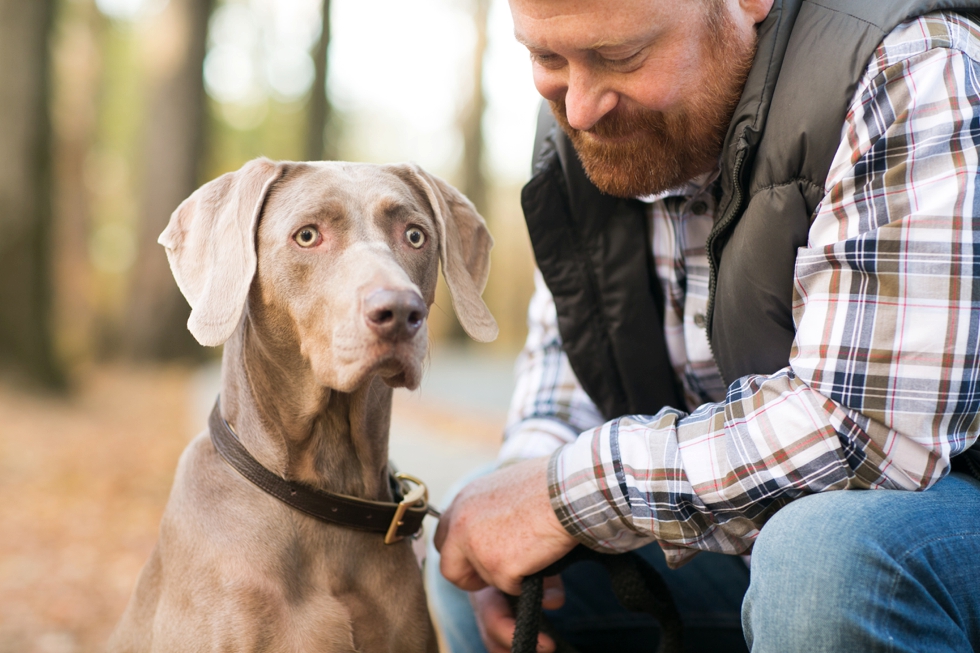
(317, 278)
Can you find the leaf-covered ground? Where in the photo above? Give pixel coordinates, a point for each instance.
(83, 482)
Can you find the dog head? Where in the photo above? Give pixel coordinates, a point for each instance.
(337, 259)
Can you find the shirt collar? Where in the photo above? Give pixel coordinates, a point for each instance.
(689, 189)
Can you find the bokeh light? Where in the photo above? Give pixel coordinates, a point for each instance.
(260, 49)
(130, 10)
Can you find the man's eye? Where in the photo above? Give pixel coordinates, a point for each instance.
(547, 60)
(308, 236)
(415, 237)
(622, 62)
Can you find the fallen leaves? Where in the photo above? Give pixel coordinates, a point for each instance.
(83, 482)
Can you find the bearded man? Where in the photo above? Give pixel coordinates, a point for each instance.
(757, 227)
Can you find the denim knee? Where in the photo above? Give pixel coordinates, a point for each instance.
(866, 571)
(800, 563)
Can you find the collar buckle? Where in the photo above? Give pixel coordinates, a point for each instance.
(416, 495)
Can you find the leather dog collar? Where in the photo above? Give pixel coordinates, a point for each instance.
(394, 520)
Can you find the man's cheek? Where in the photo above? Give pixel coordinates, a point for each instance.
(549, 84)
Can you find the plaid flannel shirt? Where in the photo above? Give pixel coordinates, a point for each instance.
(882, 387)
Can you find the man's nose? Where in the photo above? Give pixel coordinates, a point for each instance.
(587, 99)
(394, 314)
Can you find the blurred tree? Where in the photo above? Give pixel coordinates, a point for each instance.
(25, 191)
(77, 78)
(319, 142)
(472, 179)
(173, 156)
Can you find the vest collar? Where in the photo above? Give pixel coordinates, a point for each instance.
(749, 120)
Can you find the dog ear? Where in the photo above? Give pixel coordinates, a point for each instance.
(464, 249)
(210, 243)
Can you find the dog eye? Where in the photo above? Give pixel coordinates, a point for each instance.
(308, 236)
(415, 236)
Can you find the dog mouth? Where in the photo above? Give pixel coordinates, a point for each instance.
(397, 364)
(400, 366)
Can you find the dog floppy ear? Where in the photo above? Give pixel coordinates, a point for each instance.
(210, 244)
(464, 249)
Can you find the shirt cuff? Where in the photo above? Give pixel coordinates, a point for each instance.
(588, 500)
(535, 438)
(622, 485)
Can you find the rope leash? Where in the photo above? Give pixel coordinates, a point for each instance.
(637, 586)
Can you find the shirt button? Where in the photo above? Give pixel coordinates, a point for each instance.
(699, 320)
(699, 208)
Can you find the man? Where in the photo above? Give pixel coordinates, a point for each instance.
(801, 176)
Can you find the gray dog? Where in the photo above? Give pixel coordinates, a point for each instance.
(317, 278)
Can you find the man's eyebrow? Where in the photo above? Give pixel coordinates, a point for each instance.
(522, 40)
(603, 44)
(609, 44)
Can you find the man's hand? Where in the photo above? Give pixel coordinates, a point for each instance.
(501, 528)
(496, 620)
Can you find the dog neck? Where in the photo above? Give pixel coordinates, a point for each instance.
(300, 430)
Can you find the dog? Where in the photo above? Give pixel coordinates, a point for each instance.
(317, 278)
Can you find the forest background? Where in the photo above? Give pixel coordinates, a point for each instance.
(111, 113)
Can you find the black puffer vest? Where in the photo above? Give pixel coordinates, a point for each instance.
(593, 249)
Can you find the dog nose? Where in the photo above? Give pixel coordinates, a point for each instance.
(395, 314)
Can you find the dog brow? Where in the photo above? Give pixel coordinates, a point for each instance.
(391, 206)
(325, 211)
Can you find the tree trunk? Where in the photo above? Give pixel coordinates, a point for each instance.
(319, 144)
(472, 181)
(156, 320)
(25, 191)
(77, 81)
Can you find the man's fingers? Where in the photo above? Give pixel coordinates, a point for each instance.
(494, 618)
(554, 593)
(545, 644)
(496, 622)
(442, 529)
(509, 584)
(453, 562)
(464, 570)
(501, 527)
(457, 570)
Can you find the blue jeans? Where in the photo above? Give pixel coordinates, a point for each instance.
(869, 571)
(841, 571)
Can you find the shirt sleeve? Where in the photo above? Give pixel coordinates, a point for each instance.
(549, 408)
(882, 387)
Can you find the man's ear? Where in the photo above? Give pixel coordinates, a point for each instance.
(210, 244)
(464, 250)
(755, 11)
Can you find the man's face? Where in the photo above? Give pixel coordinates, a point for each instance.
(645, 89)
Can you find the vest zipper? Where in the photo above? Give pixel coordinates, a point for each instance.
(734, 208)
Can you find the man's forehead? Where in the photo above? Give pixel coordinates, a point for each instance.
(591, 24)
(549, 8)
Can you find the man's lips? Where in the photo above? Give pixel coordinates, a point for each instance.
(608, 140)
